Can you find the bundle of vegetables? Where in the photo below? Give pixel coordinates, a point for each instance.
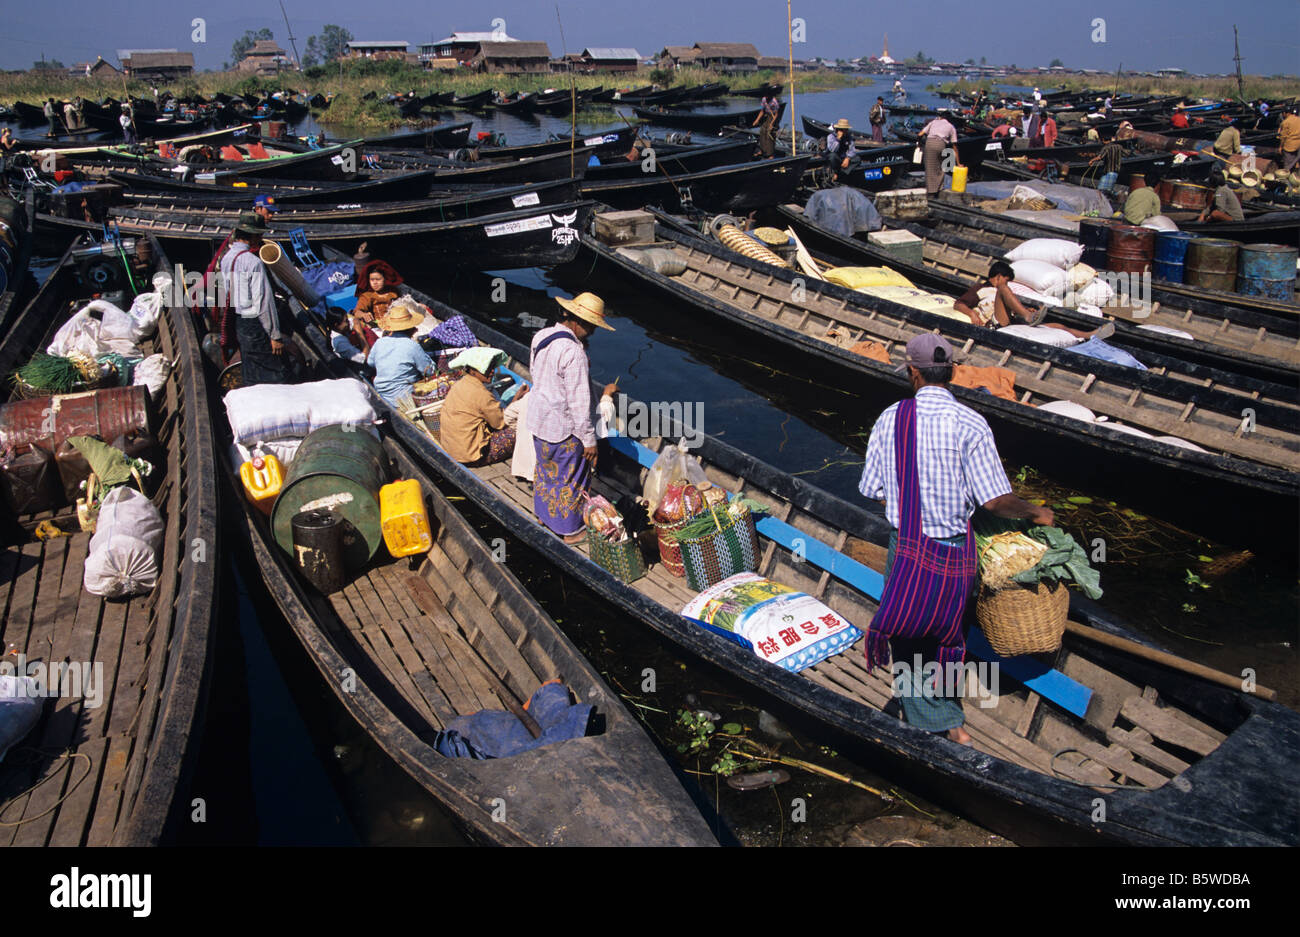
(711, 518)
(54, 374)
(1013, 552)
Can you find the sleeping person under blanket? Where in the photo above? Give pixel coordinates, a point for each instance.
(993, 304)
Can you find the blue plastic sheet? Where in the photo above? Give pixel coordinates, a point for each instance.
(1096, 348)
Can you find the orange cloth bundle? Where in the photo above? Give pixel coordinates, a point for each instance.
(1000, 382)
(873, 350)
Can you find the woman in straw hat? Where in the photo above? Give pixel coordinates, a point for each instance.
(473, 426)
(397, 358)
(559, 414)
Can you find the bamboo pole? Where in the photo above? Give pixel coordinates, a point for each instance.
(789, 32)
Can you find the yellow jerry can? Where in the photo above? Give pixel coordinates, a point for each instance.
(404, 518)
(262, 476)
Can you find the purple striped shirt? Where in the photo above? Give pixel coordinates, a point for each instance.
(957, 463)
(560, 401)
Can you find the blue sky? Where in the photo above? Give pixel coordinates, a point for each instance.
(1140, 34)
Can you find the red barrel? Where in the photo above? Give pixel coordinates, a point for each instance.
(1165, 189)
(1131, 249)
(1189, 196)
(48, 421)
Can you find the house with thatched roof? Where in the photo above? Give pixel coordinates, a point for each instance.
(677, 56)
(593, 59)
(733, 57)
(512, 58)
(156, 64)
(265, 58)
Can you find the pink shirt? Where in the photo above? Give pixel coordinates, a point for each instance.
(560, 401)
(942, 129)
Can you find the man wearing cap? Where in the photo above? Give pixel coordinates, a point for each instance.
(840, 151)
(933, 461)
(265, 207)
(559, 414)
(250, 297)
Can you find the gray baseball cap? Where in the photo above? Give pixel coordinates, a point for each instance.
(928, 351)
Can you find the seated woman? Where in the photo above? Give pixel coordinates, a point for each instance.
(397, 358)
(376, 290)
(474, 430)
(992, 303)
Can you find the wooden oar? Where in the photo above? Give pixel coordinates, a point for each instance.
(1167, 659)
(432, 606)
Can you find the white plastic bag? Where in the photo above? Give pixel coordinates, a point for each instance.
(1057, 338)
(1055, 251)
(113, 331)
(668, 468)
(607, 423)
(123, 553)
(153, 372)
(145, 311)
(1096, 293)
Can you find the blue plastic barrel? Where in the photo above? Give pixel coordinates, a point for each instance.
(1267, 270)
(1171, 250)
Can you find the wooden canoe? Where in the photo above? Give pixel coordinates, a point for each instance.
(818, 322)
(738, 188)
(452, 632)
(698, 121)
(951, 267)
(528, 237)
(1112, 711)
(411, 185)
(115, 773)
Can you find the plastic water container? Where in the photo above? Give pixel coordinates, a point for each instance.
(262, 476)
(959, 178)
(404, 518)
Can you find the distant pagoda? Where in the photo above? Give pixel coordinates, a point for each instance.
(884, 56)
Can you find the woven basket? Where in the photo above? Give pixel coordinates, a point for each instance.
(623, 560)
(732, 547)
(670, 551)
(1018, 620)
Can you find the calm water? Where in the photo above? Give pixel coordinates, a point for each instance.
(283, 763)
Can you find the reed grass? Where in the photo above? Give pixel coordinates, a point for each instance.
(354, 80)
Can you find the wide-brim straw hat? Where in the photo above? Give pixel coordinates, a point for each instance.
(587, 306)
(843, 124)
(400, 317)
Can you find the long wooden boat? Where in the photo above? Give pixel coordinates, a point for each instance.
(340, 163)
(1062, 731)
(545, 168)
(451, 633)
(599, 142)
(442, 204)
(529, 237)
(673, 160)
(114, 770)
(398, 187)
(951, 266)
(802, 321)
(739, 188)
(520, 104)
(473, 102)
(701, 122)
(989, 231)
(439, 136)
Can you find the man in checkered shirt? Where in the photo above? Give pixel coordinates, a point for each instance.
(957, 469)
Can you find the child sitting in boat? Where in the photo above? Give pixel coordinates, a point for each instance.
(473, 426)
(376, 291)
(992, 303)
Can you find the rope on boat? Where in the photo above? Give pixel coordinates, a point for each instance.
(90, 766)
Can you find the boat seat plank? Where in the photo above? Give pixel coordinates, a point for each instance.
(441, 660)
(1167, 727)
(1067, 693)
(1144, 749)
(471, 665)
(1057, 735)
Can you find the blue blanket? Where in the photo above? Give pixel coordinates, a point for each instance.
(492, 733)
(1096, 348)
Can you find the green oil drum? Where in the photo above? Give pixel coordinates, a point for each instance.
(340, 469)
(1211, 263)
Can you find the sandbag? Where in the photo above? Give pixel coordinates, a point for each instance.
(1096, 293)
(917, 299)
(147, 307)
(123, 553)
(1081, 275)
(265, 412)
(1024, 291)
(21, 703)
(1040, 276)
(857, 278)
(1055, 251)
(1057, 338)
(153, 372)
